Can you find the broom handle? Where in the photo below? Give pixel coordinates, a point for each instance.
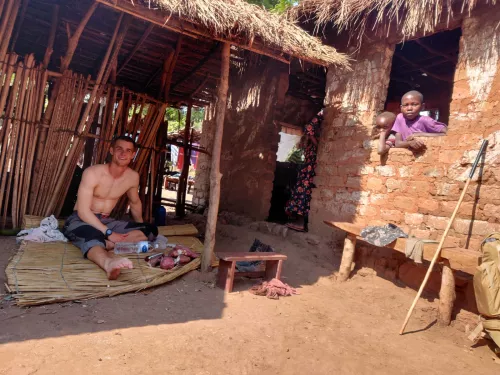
(445, 234)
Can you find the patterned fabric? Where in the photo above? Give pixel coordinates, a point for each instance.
(382, 236)
(300, 200)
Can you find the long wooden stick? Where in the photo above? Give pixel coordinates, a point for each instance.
(52, 36)
(443, 238)
(215, 175)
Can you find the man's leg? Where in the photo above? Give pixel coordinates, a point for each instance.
(109, 263)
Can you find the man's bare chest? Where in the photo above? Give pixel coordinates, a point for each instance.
(110, 188)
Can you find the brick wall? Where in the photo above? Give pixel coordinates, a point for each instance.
(344, 172)
(202, 177)
(250, 141)
(416, 192)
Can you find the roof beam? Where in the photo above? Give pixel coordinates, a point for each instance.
(136, 47)
(423, 70)
(200, 64)
(188, 29)
(434, 51)
(200, 86)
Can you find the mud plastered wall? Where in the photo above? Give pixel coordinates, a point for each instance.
(416, 192)
(251, 138)
(202, 178)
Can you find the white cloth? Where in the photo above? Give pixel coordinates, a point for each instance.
(46, 232)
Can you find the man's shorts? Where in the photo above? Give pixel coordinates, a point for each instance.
(85, 236)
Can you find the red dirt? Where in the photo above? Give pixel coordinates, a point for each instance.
(189, 327)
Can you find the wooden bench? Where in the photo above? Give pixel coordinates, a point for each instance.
(451, 258)
(227, 267)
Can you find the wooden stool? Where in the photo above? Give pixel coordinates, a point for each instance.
(227, 267)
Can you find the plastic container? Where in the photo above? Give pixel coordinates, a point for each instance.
(161, 216)
(132, 247)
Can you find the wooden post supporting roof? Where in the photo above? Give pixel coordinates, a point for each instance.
(215, 175)
(182, 185)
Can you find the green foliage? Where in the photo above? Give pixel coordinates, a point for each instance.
(174, 115)
(296, 156)
(278, 6)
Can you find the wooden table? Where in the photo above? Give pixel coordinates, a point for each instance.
(227, 267)
(452, 258)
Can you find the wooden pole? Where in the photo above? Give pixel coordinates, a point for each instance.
(136, 48)
(19, 25)
(447, 294)
(347, 257)
(445, 234)
(8, 31)
(75, 38)
(52, 36)
(170, 73)
(72, 44)
(215, 175)
(181, 189)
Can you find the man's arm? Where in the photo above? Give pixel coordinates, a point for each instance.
(135, 201)
(85, 196)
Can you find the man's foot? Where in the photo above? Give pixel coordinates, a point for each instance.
(114, 266)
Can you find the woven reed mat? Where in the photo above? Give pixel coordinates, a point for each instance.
(30, 221)
(42, 273)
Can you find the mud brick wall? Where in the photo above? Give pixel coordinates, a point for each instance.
(251, 138)
(416, 192)
(202, 177)
(352, 101)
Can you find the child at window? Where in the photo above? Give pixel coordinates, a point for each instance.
(387, 139)
(410, 123)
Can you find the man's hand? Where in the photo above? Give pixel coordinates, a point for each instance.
(117, 237)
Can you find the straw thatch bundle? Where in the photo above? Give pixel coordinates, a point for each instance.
(411, 16)
(239, 19)
(42, 273)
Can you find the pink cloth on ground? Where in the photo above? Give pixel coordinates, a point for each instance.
(422, 124)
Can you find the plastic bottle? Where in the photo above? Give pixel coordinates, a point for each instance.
(132, 247)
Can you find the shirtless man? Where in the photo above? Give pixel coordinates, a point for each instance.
(90, 228)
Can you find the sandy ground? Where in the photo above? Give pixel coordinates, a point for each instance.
(189, 327)
(172, 194)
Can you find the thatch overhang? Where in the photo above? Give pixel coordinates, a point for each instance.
(243, 24)
(155, 31)
(406, 18)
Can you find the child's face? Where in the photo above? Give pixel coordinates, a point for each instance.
(383, 123)
(411, 106)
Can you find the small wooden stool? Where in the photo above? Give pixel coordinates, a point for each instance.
(227, 267)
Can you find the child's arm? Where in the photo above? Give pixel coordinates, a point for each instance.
(410, 143)
(382, 146)
(430, 134)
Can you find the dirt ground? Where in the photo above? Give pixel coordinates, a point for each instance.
(190, 327)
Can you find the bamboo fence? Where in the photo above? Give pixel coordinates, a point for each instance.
(22, 96)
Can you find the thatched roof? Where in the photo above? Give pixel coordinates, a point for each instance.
(411, 16)
(244, 23)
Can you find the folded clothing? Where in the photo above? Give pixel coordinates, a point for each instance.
(46, 232)
(382, 235)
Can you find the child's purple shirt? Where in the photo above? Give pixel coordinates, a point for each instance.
(422, 124)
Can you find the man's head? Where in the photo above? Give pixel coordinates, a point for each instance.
(411, 104)
(122, 150)
(385, 120)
